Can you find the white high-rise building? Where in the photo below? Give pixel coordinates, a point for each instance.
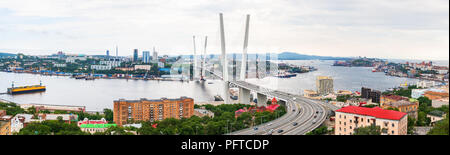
(155, 55)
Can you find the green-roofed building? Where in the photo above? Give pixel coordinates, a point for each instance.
(436, 116)
(93, 128)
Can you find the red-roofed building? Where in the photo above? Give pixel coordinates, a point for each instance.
(87, 121)
(351, 117)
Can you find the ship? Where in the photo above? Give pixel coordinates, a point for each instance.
(285, 75)
(26, 89)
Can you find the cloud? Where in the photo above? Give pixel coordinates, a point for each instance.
(383, 28)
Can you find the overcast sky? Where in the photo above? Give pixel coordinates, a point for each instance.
(402, 29)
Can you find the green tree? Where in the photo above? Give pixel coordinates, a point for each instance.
(441, 127)
(368, 130)
(109, 115)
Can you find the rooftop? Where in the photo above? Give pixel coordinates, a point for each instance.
(395, 97)
(374, 112)
(436, 113)
(155, 100)
(97, 125)
(401, 103)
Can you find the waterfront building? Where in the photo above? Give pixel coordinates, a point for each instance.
(146, 57)
(404, 106)
(59, 65)
(324, 85)
(52, 108)
(436, 116)
(349, 118)
(111, 63)
(72, 59)
(135, 55)
(101, 67)
(124, 68)
(142, 67)
(151, 110)
(107, 54)
(425, 84)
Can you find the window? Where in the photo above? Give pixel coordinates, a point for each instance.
(350, 127)
(392, 124)
(350, 121)
(345, 123)
(392, 131)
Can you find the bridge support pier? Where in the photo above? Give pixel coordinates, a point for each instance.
(281, 102)
(244, 96)
(226, 97)
(262, 99)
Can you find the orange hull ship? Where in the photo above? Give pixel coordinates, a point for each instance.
(26, 89)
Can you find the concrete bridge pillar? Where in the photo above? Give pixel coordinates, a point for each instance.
(262, 99)
(282, 102)
(226, 97)
(244, 96)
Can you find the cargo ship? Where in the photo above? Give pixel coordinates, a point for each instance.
(25, 89)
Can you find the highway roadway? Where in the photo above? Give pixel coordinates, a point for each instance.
(307, 114)
(302, 116)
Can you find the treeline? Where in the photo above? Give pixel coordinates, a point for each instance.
(224, 121)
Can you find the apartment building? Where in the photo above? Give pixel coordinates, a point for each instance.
(152, 110)
(352, 117)
(324, 85)
(404, 106)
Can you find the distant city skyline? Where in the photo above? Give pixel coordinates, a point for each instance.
(412, 29)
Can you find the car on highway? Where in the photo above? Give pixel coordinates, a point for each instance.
(280, 131)
(315, 116)
(313, 122)
(269, 124)
(295, 124)
(270, 132)
(255, 128)
(317, 112)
